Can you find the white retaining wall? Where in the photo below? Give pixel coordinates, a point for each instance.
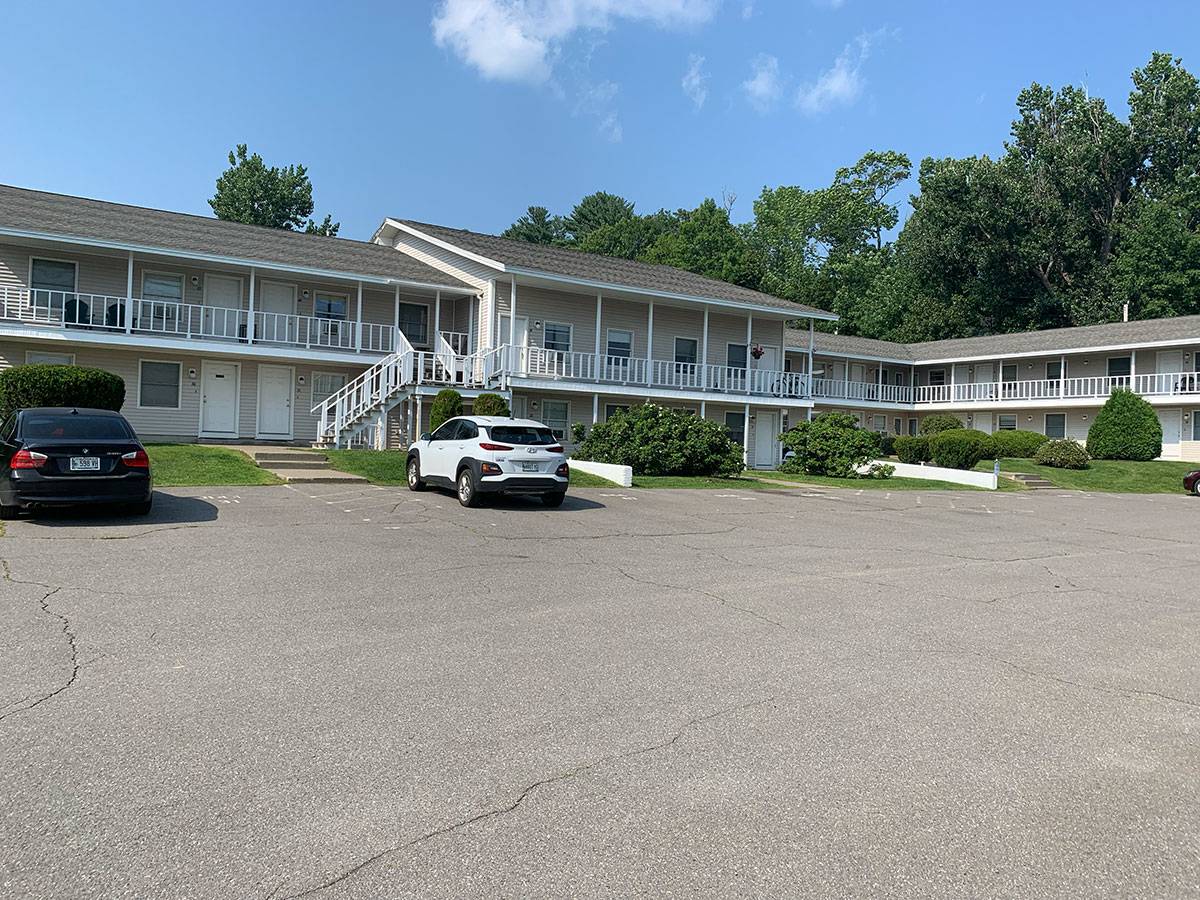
(937, 473)
(622, 475)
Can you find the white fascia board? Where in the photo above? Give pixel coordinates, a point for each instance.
(1068, 351)
(817, 351)
(185, 346)
(230, 260)
(655, 393)
(608, 285)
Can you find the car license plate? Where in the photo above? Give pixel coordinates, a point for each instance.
(530, 467)
(85, 464)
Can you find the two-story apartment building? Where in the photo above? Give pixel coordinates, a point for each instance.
(1052, 381)
(225, 331)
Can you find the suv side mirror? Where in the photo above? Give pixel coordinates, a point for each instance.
(424, 435)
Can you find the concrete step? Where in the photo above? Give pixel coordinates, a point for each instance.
(276, 464)
(273, 456)
(1033, 482)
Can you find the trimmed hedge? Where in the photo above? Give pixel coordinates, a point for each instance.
(940, 422)
(1125, 428)
(24, 387)
(830, 444)
(961, 448)
(1062, 454)
(655, 440)
(490, 405)
(446, 405)
(1018, 444)
(912, 449)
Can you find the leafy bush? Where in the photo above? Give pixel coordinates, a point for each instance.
(940, 422)
(1017, 444)
(1125, 428)
(1063, 454)
(23, 387)
(887, 444)
(830, 444)
(578, 432)
(655, 440)
(961, 448)
(913, 449)
(489, 405)
(446, 405)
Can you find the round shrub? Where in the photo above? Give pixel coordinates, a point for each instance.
(961, 448)
(887, 444)
(913, 449)
(490, 405)
(1017, 444)
(940, 422)
(1125, 428)
(24, 387)
(829, 444)
(1064, 454)
(655, 440)
(446, 405)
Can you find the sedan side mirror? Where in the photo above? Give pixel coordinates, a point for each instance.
(425, 435)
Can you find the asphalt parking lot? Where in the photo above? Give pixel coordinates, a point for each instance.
(360, 692)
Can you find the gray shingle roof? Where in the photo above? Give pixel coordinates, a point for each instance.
(594, 267)
(59, 214)
(1051, 340)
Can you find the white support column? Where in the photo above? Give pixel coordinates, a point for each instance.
(704, 358)
(358, 321)
(650, 344)
(408, 414)
(595, 408)
(879, 396)
(418, 426)
(437, 317)
(129, 295)
(471, 325)
(1000, 378)
(250, 316)
(396, 319)
(596, 357)
(703, 408)
(1062, 376)
(746, 434)
(512, 311)
(749, 338)
(952, 367)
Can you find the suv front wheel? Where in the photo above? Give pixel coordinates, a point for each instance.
(467, 494)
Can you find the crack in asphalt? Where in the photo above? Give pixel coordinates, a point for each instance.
(712, 596)
(507, 808)
(67, 631)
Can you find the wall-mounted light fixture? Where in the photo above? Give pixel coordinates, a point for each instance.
(300, 379)
(304, 294)
(191, 373)
(1029, 418)
(195, 281)
(1085, 417)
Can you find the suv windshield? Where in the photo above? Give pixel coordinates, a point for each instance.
(74, 427)
(522, 434)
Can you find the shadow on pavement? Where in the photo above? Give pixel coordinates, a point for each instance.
(168, 510)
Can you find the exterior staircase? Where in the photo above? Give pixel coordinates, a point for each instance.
(1033, 482)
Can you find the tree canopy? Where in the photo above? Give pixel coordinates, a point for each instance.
(1081, 213)
(251, 192)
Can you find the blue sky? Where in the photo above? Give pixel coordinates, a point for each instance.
(464, 112)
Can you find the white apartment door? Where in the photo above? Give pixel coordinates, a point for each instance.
(982, 422)
(767, 363)
(276, 304)
(1168, 363)
(275, 402)
(984, 375)
(219, 399)
(766, 438)
(521, 358)
(1172, 428)
(223, 304)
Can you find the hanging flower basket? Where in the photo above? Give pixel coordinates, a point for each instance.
(757, 351)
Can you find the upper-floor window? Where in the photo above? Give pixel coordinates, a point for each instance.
(557, 337)
(331, 306)
(162, 286)
(1054, 370)
(686, 350)
(1120, 366)
(735, 356)
(414, 322)
(1008, 373)
(937, 376)
(620, 343)
(50, 281)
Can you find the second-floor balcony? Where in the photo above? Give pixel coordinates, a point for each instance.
(190, 321)
(568, 367)
(1155, 384)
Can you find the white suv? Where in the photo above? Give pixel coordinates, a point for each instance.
(479, 455)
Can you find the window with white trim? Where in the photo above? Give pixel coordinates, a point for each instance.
(414, 323)
(897, 426)
(162, 286)
(1120, 366)
(937, 377)
(557, 336)
(736, 356)
(331, 306)
(1006, 423)
(159, 383)
(620, 343)
(611, 409)
(735, 424)
(326, 384)
(556, 415)
(52, 283)
(912, 427)
(686, 350)
(41, 358)
(1054, 370)
(1056, 425)
(879, 423)
(1196, 424)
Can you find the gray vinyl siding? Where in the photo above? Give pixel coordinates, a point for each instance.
(460, 267)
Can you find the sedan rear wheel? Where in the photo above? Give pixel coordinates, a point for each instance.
(467, 494)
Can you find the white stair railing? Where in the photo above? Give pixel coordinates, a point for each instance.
(446, 357)
(365, 394)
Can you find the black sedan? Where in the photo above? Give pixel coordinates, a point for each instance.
(69, 457)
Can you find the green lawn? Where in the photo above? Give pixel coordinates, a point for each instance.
(1108, 475)
(377, 466)
(587, 479)
(191, 465)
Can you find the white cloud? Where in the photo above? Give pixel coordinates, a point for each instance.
(694, 81)
(842, 83)
(764, 85)
(747, 9)
(520, 40)
(597, 101)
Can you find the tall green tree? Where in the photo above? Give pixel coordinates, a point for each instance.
(595, 211)
(537, 226)
(249, 191)
(705, 242)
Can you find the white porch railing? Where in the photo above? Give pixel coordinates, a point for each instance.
(1090, 387)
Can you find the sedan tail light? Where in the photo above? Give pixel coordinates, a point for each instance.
(136, 460)
(27, 459)
(484, 445)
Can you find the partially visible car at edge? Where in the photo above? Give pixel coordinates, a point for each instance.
(1191, 482)
(481, 455)
(54, 456)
